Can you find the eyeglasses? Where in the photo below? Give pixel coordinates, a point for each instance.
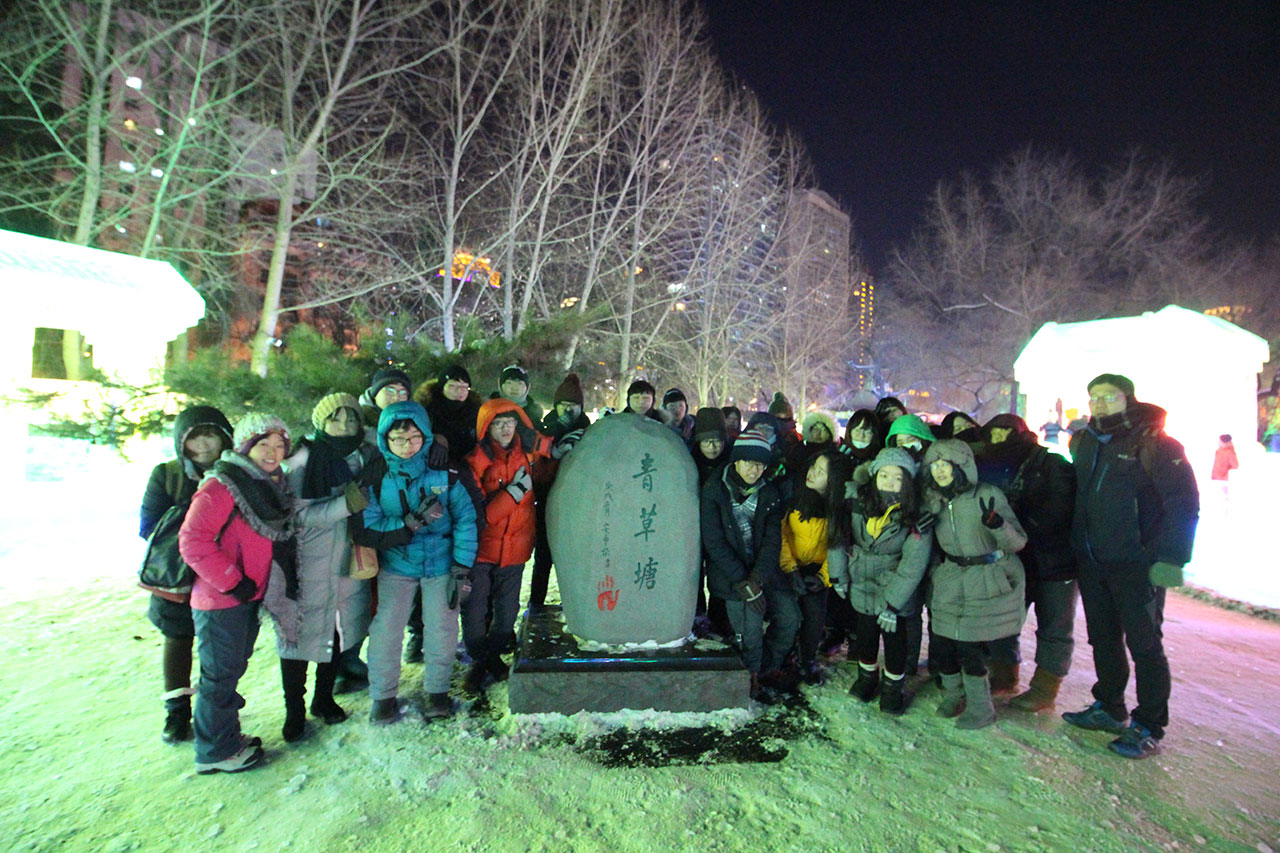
(398, 393)
(1104, 398)
(408, 441)
(458, 383)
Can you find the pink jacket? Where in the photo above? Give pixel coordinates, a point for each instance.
(219, 565)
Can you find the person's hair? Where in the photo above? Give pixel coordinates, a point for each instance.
(831, 503)
(867, 418)
(1226, 436)
(873, 503)
(210, 429)
(732, 410)
(403, 423)
(959, 481)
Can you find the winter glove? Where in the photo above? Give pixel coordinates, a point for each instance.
(528, 436)
(808, 569)
(1165, 574)
(244, 591)
(990, 518)
(797, 581)
(412, 523)
(925, 522)
(438, 455)
(842, 589)
(459, 586)
(429, 511)
(566, 443)
(751, 594)
(520, 484)
(813, 583)
(888, 620)
(355, 497)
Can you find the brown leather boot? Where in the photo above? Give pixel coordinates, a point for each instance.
(1041, 694)
(1004, 678)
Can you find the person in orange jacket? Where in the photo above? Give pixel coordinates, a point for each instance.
(502, 465)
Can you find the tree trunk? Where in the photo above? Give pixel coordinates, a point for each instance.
(262, 339)
(93, 131)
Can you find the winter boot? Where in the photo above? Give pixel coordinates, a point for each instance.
(473, 681)
(813, 674)
(384, 711)
(497, 668)
(177, 715)
(1041, 694)
(413, 649)
(353, 673)
(893, 695)
(293, 677)
(952, 703)
(868, 681)
(247, 758)
(979, 711)
(322, 704)
(438, 705)
(1004, 678)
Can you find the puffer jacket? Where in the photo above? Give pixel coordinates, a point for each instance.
(882, 570)
(407, 486)
(1136, 498)
(983, 602)
(509, 531)
(727, 554)
(453, 419)
(804, 541)
(328, 599)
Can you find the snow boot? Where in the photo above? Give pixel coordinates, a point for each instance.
(1004, 678)
(413, 649)
(952, 703)
(473, 681)
(865, 686)
(247, 758)
(1041, 694)
(979, 711)
(438, 705)
(353, 673)
(322, 704)
(293, 677)
(893, 695)
(384, 711)
(813, 674)
(497, 668)
(177, 715)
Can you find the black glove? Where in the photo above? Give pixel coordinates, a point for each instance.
(990, 517)
(459, 587)
(528, 436)
(244, 591)
(809, 569)
(813, 583)
(925, 522)
(751, 593)
(438, 456)
(566, 443)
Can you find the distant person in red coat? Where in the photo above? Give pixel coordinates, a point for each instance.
(1224, 462)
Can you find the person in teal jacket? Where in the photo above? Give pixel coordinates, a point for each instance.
(423, 523)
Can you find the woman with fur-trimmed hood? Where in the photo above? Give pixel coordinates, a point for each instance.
(976, 592)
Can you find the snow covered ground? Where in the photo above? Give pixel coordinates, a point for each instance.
(79, 686)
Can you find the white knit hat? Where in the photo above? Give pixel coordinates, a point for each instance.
(253, 426)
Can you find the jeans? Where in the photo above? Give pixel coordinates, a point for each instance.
(386, 634)
(489, 616)
(225, 641)
(1055, 605)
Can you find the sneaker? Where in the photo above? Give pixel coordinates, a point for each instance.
(250, 741)
(1135, 742)
(438, 705)
(1096, 719)
(247, 758)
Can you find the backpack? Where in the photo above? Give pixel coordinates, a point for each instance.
(163, 572)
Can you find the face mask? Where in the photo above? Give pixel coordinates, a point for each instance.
(861, 445)
(912, 445)
(890, 498)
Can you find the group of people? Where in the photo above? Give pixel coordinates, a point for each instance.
(814, 538)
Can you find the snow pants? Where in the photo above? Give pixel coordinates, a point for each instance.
(386, 634)
(866, 644)
(950, 656)
(489, 616)
(1123, 608)
(225, 641)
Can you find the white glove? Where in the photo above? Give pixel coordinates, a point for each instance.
(888, 620)
(520, 484)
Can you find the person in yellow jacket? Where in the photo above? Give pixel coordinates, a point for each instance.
(803, 558)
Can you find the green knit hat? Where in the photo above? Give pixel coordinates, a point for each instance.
(910, 425)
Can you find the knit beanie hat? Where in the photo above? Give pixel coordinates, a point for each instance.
(253, 427)
(455, 371)
(753, 446)
(640, 386)
(569, 391)
(894, 456)
(674, 395)
(1124, 383)
(514, 371)
(709, 423)
(330, 404)
(781, 406)
(389, 376)
(909, 425)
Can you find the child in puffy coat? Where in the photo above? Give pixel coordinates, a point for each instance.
(502, 466)
(977, 591)
(423, 523)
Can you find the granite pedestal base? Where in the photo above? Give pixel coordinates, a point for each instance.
(552, 675)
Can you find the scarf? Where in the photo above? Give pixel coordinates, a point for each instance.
(877, 524)
(327, 467)
(266, 507)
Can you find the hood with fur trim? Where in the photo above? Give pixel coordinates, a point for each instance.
(490, 409)
(818, 416)
(957, 453)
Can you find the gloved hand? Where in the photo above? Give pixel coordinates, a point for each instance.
(566, 443)
(429, 511)
(807, 569)
(244, 591)
(527, 434)
(797, 581)
(813, 583)
(841, 588)
(888, 620)
(925, 522)
(355, 497)
(520, 484)
(990, 518)
(751, 593)
(459, 587)
(1165, 574)
(438, 455)
(412, 522)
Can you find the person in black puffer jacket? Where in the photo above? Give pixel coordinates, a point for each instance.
(1041, 488)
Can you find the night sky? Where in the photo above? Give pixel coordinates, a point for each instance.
(890, 97)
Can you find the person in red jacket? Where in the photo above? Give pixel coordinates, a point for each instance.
(239, 523)
(502, 465)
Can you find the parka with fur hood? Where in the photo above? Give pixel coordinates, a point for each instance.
(981, 602)
(509, 533)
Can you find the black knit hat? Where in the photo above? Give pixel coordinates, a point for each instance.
(674, 395)
(389, 376)
(640, 386)
(455, 371)
(781, 406)
(753, 446)
(569, 391)
(514, 371)
(709, 423)
(1124, 383)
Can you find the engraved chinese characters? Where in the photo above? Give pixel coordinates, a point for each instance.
(623, 524)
